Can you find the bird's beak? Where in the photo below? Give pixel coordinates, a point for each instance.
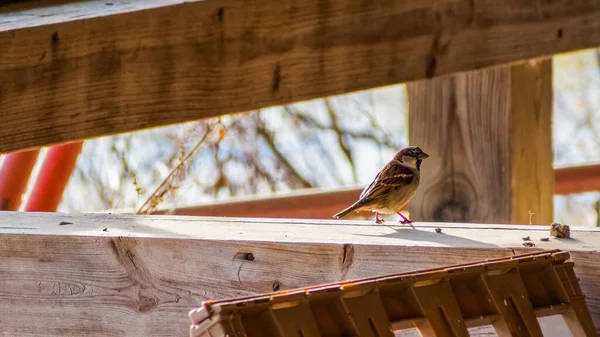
(423, 155)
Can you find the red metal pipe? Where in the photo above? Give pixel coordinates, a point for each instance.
(14, 177)
(53, 177)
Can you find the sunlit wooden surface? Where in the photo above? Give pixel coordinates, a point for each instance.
(106, 275)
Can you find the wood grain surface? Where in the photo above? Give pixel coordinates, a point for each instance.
(107, 275)
(488, 134)
(530, 139)
(73, 70)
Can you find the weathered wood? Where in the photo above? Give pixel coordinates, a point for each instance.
(142, 274)
(85, 69)
(489, 137)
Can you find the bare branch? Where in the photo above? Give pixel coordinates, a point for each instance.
(340, 137)
(266, 135)
(167, 184)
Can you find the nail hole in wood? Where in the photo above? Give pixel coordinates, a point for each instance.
(54, 38)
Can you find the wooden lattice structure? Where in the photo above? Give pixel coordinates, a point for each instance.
(479, 80)
(507, 293)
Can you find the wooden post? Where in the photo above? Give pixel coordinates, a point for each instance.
(489, 136)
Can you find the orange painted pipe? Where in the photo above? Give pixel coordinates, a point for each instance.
(14, 178)
(53, 178)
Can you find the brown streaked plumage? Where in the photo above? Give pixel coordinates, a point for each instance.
(393, 186)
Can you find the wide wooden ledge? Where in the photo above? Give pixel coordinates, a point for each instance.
(359, 232)
(139, 275)
(81, 69)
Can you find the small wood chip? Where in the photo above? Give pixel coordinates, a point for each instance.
(62, 223)
(560, 231)
(528, 244)
(544, 239)
(526, 238)
(438, 230)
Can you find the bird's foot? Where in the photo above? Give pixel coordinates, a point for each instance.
(405, 221)
(377, 220)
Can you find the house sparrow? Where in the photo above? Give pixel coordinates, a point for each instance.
(393, 186)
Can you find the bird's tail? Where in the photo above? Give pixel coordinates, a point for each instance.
(353, 207)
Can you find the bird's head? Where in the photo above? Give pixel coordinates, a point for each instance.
(412, 156)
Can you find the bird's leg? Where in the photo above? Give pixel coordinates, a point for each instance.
(404, 219)
(377, 220)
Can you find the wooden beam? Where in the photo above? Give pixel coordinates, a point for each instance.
(577, 179)
(322, 204)
(303, 204)
(106, 275)
(85, 69)
(489, 136)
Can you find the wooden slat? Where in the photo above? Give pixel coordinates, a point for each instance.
(488, 133)
(80, 70)
(303, 204)
(577, 179)
(530, 139)
(107, 275)
(319, 204)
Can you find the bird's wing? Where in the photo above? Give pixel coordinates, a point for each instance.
(391, 176)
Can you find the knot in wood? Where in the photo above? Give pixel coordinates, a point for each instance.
(451, 210)
(146, 304)
(453, 199)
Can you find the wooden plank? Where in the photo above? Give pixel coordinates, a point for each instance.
(577, 179)
(299, 204)
(86, 69)
(530, 141)
(139, 275)
(488, 133)
(322, 204)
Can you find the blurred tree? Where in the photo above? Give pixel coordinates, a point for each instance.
(330, 142)
(577, 128)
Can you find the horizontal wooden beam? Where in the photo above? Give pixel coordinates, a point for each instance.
(140, 275)
(302, 204)
(319, 204)
(85, 69)
(577, 179)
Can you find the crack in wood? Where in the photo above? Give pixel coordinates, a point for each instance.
(347, 258)
(276, 78)
(238, 274)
